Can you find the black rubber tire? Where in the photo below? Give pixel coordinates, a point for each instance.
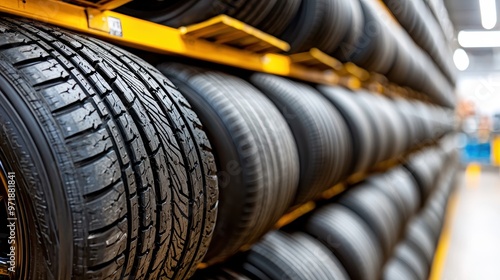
(318, 24)
(420, 239)
(388, 127)
(383, 183)
(407, 255)
(359, 124)
(379, 121)
(398, 270)
(180, 13)
(356, 30)
(271, 16)
(320, 132)
(404, 183)
(434, 222)
(349, 238)
(381, 217)
(419, 165)
(399, 125)
(255, 152)
(279, 16)
(115, 173)
(405, 112)
(375, 48)
(294, 256)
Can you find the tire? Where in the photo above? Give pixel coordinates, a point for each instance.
(294, 256)
(180, 13)
(403, 109)
(398, 270)
(371, 50)
(404, 183)
(255, 151)
(320, 132)
(420, 239)
(356, 30)
(389, 130)
(383, 184)
(115, 173)
(407, 255)
(399, 125)
(381, 217)
(433, 221)
(359, 125)
(271, 16)
(318, 24)
(379, 121)
(416, 166)
(349, 238)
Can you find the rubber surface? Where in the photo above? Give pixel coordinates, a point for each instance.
(407, 254)
(353, 243)
(129, 190)
(377, 211)
(359, 125)
(179, 13)
(398, 270)
(320, 132)
(255, 151)
(294, 256)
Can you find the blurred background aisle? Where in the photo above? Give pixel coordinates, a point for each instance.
(470, 244)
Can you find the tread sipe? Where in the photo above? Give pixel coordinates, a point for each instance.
(121, 181)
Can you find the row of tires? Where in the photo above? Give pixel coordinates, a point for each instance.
(125, 173)
(381, 228)
(413, 256)
(300, 141)
(397, 56)
(357, 31)
(418, 20)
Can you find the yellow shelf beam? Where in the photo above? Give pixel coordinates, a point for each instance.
(140, 34)
(225, 30)
(222, 40)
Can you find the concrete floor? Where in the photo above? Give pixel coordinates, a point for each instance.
(470, 246)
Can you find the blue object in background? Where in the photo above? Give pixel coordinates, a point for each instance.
(475, 151)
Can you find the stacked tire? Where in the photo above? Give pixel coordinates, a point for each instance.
(127, 171)
(413, 256)
(115, 176)
(279, 143)
(377, 229)
(351, 30)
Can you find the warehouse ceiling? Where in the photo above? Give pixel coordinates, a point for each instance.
(466, 15)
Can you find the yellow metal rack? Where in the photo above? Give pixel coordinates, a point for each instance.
(221, 40)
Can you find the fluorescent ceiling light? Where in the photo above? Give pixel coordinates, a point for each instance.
(488, 13)
(461, 59)
(479, 39)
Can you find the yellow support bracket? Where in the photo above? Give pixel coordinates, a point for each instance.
(295, 214)
(348, 75)
(229, 31)
(358, 72)
(317, 59)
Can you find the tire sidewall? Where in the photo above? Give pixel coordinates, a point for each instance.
(44, 226)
